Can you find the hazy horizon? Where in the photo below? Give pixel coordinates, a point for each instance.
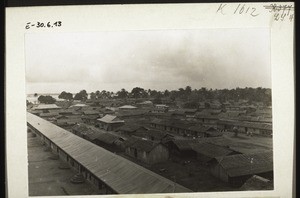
(129, 90)
(168, 59)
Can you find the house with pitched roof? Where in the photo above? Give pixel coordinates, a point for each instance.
(109, 122)
(237, 169)
(109, 141)
(90, 116)
(207, 151)
(181, 148)
(129, 129)
(147, 151)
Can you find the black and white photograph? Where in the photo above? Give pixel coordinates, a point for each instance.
(152, 100)
(139, 112)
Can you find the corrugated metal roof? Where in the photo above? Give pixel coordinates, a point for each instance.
(92, 134)
(107, 138)
(110, 119)
(144, 145)
(211, 150)
(247, 164)
(122, 175)
(184, 144)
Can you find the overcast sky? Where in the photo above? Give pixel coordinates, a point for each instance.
(212, 58)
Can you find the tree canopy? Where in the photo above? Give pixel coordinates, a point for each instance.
(46, 99)
(82, 95)
(190, 96)
(66, 95)
(138, 92)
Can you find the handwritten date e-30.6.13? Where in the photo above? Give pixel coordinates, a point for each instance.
(43, 25)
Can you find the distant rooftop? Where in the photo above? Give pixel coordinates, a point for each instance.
(127, 107)
(110, 119)
(79, 105)
(46, 106)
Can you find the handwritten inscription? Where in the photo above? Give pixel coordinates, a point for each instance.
(239, 10)
(43, 25)
(281, 12)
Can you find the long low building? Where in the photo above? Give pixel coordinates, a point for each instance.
(102, 168)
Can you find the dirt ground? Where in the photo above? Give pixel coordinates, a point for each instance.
(45, 176)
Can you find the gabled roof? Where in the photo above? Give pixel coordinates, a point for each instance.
(92, 134)
(144, 145)
(120, 174)
(184, 144)
(131, 140)
(145, 102)
(211, 150)
(110, 119)
(127, 107)
(246, 164)
(161, 105)
(156, 134)
(107, 138)
(79, 105)
(46, 106)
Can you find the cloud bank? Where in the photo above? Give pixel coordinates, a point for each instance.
(213, 58)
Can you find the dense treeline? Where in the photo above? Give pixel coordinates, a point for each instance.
(187, 94)
(194, 95)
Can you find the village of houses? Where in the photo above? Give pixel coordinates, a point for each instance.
(122, 146)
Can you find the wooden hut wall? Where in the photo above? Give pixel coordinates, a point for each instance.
(159, 154)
